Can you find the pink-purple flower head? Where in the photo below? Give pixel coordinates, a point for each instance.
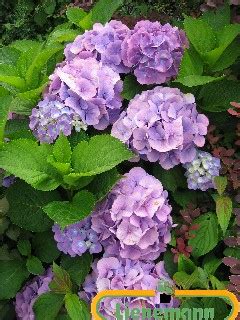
(77, 238)
(154, 51)
(114, 273)
(134, 221)
(102, 42)
(162, 125)
(26, 298)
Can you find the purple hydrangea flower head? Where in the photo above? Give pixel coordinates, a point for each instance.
(134, 221)
(52, 117)
(103, 43)
(77, 238)
(154, 51)
(202, 171)
(25, 299)
(114, 273)
(162, 125)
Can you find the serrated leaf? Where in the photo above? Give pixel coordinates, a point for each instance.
(26, 207)
(217, 96)
(25, 45)
(18, 128)
(197, 80)
(9, 55)
(24, 247)
(221, 184)
(131, 87)
(28, 161)
(232, 252)
(34, 265)
(5, 105)
(185, 264)
(61, 282)
(224, 210)
(78, 267)
(191, 64)
(76, 308)
(48, 305)
(17, 82)
(211, 264)
(218, 18)
(200, 34)
(99, 13)
(75, 15)
(170, 179)
(45, 247)
(12, 274)
(65, 213)
(103, 183)
(62, 168)
(76, 180)
(206, 237)
(100, 154)
(197, 279)
(62, 150)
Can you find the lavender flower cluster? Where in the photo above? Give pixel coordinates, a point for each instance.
(77, 238)
(85, 90)
(134, 221)
(162, 125)
(202, 171)
(29, 294)
(112, 273)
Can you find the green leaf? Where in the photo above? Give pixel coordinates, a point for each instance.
(170, 179)
(48, 305)
(17, 128)
(211, 264)
(196, 80)
(104, 9)
(28, 161)
(24, 247)
(12, 274)
(232, 252)
(25, 45)
(228, 57)
(216, 284)
(221, 184)
(217, 96)
(200, 34)
(61, 282)
(206, 237)
(62, 150)
(14, 81)
(5, 104)
(183, 198)
(34, 265)
(218, 18)
(76, 308)
(26, 207)
(185, 264)
(198, 279)
(45, 247)
(131, 87)
(170, 265)
(65, 213)
(103, 183)
(75, 15)
(224, 211)
(76, 180)
(191, 64)
(101, 153)
(78, 267)
(221, 310)
(9, 55)
(60, 36)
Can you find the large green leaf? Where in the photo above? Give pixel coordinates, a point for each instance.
(61, 282)
(200, 34)
(48, 305)
(28, 161)
(191, 64)
(14, 81)
(65, 213)
(206, 237)
(5, 105)
(75, 15)
(45, 247)
(34, 265)
(25, 207)
(197, 80)
(218, 18)
(76, 308)
(171, 179)
(101, 153)
(131, 87)
(104, 9)
(12, 274)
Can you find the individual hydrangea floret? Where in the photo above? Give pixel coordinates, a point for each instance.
(27, 296)
(134, 221)
(114, 273)
(162, 125)
(51, 117)
(103, 43)
(77, 238)
(154, 51)
(202, 171)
